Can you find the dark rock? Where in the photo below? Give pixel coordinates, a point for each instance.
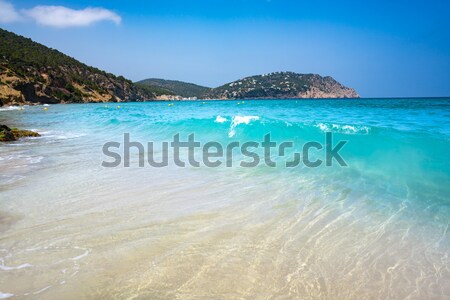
(18, 133)
(6, 134)
(9, 135)
(28, 91)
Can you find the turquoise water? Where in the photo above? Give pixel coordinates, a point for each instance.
(377, 228)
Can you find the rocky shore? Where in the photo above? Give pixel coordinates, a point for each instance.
(13, 134)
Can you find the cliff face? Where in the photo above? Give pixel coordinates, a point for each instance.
(33, 73)
(283, 85)
(57, 85)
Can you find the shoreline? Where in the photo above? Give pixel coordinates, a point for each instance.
(7, 107)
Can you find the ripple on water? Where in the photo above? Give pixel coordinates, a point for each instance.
(33, 271)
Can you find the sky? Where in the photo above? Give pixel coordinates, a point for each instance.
(381, 48)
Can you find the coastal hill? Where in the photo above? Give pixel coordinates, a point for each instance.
(33, 73)
(277, 85)
(282, 85)
(175, 87)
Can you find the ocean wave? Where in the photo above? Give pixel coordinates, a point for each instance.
(30, 159)
(8, 179)
(220, 119)
(240, 120)
(235, 121)
(8, 108)
(345, 129)
(34, 159)
(61, 135)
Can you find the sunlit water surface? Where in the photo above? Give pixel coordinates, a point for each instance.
(376, 229)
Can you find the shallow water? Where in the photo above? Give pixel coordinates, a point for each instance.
(376, 229)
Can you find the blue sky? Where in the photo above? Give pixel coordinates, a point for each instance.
(380, 48)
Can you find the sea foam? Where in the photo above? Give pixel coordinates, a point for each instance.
(220, 119)
(345, 129)
(240, 120)
(5, 295)
(6, 268)
(7, 108)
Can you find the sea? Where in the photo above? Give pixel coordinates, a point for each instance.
(364, 212)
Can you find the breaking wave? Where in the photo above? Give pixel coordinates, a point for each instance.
(220, 119)
(345, 129)
(240, 120)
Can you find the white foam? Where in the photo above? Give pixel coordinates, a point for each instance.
(34, 159)
(8, 179)
(322, 127)
(345, 129)
(5, 295)
(86, 253)
(61, 135)
(220, 119)
(7, 108)
(240, 120)
(21, 157)
(6, 268)
(42, 290)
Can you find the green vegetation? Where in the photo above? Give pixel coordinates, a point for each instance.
(33, 73)
(272, 85)
(156, 90)
(175, 87)
(279, 84)
(282, 85)
(22, 52)
(56, 77)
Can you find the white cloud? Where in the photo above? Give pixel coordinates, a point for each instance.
(60, 16)
(57, 16)
(8, 13)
